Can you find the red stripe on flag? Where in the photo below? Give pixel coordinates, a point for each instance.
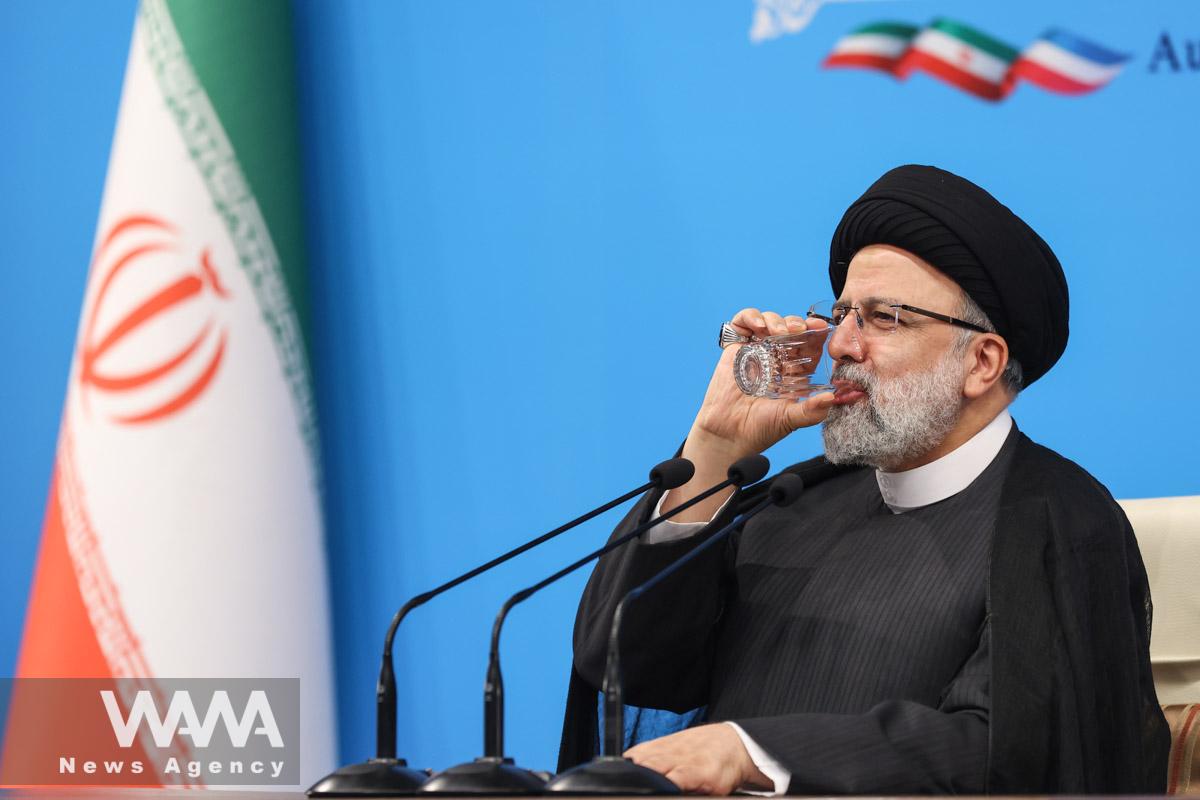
(1048, 79)
(861, 61)
(75, 627)
(59, 642)
(915, 59)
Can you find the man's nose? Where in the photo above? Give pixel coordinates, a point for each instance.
(846, 341)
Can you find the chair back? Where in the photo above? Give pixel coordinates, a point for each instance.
(1168, 534)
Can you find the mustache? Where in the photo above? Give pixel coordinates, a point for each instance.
(855, 373)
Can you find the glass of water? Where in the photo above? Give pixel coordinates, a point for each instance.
(791, 365)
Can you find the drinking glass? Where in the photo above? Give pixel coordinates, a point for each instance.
(791, 365)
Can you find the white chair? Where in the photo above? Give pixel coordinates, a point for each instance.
(1168, 534)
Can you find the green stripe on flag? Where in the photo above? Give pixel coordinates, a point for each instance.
(976, 39)
(243, 56)
(897, 29)
(238, 121)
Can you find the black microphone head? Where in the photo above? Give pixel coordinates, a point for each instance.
(785, 489)
(748, 470)
(672, 473)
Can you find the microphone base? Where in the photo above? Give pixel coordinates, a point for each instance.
(485, 776)
(379, 777)
(611, 775)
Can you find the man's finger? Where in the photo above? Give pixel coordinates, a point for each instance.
(650, 757)
(687, 780)
(749, 321)
(707, 779)
(795, 324)
(815, 323)
(811, 411)
(636, 754)
(775, 324)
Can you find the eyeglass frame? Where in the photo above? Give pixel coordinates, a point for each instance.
(962, 323)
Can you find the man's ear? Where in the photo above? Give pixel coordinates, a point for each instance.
(986, 358)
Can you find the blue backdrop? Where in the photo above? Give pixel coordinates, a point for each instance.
(525, 220)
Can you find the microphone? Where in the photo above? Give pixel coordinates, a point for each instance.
(493, 773)
(385, 774)
(611, 773)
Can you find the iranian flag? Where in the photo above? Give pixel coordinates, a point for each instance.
(879, 45)
(951, 51)
(183, 533)
(961, 56)
(977, 63)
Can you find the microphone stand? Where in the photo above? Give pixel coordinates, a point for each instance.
(494, 773)
(386, 775)
(611, 773)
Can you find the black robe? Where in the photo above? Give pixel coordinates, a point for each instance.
(1073, 707)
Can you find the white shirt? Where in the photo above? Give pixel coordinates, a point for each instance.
(901, 491)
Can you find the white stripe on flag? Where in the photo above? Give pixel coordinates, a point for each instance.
(1064, 62)
(944, 47)
(874, 44)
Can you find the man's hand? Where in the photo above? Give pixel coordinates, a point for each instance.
(709, 759)
(752, 424)
(731, 425)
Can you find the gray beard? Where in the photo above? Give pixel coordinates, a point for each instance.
(900, 419)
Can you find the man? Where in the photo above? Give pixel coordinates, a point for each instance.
(949, 607)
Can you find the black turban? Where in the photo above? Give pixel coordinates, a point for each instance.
(975, 240)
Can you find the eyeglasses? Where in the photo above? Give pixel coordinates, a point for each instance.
(880, 316)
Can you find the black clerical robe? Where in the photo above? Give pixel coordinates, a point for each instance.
(1058, 673)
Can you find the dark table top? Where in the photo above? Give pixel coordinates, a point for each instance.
(119, 793)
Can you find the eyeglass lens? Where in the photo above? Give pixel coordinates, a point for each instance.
(872, 318)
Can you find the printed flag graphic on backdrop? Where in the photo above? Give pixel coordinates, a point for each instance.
(183, 535)
(977, 63)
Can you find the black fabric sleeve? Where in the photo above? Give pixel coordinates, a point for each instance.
(897, 747)
(667, 636)
(1075, 710)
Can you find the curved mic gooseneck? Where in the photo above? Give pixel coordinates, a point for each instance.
(388, 776)
(667, 475)
(741, 473)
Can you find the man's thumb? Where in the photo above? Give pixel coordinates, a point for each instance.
(810, 411)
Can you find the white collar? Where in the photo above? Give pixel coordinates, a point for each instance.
(948, 475)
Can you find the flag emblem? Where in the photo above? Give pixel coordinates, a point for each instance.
(977, 63)
(132, 353)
